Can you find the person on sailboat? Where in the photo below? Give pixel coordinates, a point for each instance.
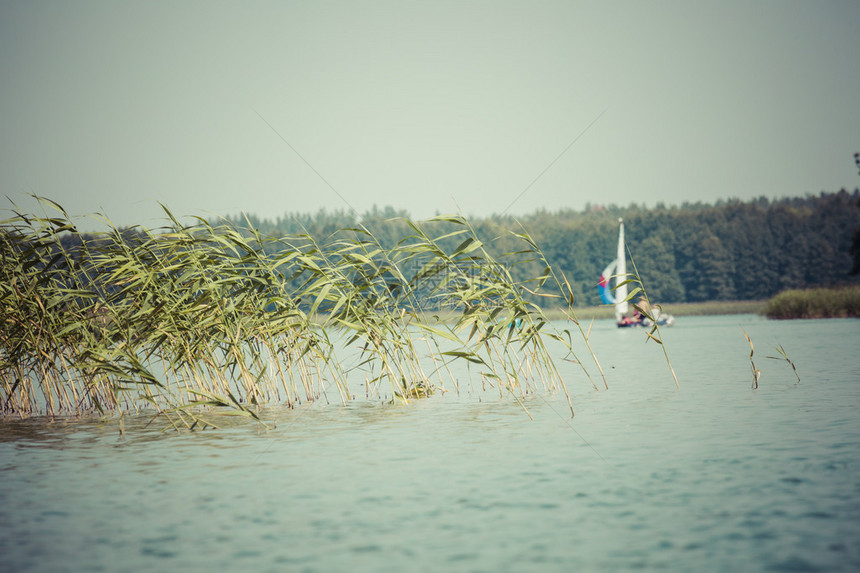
(655, 313)
(628, 320)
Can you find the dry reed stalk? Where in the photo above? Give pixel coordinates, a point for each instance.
(756, 373)
(783, 355)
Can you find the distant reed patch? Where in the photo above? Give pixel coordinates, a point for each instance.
(840, 302)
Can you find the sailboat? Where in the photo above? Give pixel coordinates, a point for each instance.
(616, 273)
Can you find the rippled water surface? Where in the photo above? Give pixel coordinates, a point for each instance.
(715, 477)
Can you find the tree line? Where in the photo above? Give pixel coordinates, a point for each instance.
(729, 250)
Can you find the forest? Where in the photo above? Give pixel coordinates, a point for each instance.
(730, 250)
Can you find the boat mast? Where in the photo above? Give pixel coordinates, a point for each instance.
(621, 306)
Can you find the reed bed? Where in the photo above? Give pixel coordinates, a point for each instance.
(193, 319)
(840, 302)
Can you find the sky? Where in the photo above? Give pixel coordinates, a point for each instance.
(473, 107)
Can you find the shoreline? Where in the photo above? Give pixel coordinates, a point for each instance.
(676, 309)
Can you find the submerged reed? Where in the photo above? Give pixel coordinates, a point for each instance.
(200, 318)
(756, 373)
(783, 355)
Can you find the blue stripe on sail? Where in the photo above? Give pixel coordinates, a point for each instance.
(603, 290)
(603, 284)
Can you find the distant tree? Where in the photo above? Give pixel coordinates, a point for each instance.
(658, 270)
(855, 240)
(855, 253)
(716, 270)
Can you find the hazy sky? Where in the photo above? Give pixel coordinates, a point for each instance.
(426, 106)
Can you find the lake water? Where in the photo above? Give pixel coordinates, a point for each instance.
(715, 477)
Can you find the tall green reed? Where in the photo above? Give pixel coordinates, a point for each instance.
(192, 319)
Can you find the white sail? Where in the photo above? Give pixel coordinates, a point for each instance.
(622, 306)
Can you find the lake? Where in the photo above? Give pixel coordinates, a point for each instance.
(715, 476)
